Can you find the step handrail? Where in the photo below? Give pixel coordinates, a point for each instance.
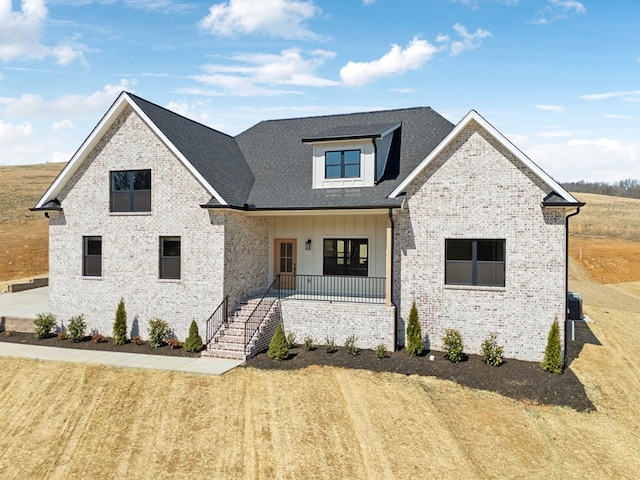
(217, 319)
(260, 312)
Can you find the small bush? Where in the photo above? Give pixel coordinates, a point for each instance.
(45, 323)
(491, 351)
(97, 337)
(120, 325)
(76, 328)
(380, 351)
(308, 344)
(350, 345)
(158, 332)
(193, 343)
(173, 342)
(415, 344)
(278, 348)
(291, 340)
(453, 345)
(552, 361)
(136, 340)
(62, 335)
(330, 344)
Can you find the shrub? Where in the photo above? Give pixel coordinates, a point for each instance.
(350, 345)
(308, 344)
(330, 344)
(158, 332)
(491, 351)
(76, 328)
(97, 337)
(380, 351)
(62, 335)
(136, 340)
(193, 343)
(415, 345)
(453, 346)
(278, 349)
(120, 325)
(552, 361)
(173, 342)
(45, 323)
(291, 340)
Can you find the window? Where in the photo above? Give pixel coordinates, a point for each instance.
(130, 191)
(342, 164)
(346, 256)
(475, 262)
(92, 256)
(170, 257)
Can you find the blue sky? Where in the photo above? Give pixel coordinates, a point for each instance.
(559, 78)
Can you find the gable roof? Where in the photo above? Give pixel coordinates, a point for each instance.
(560, 193)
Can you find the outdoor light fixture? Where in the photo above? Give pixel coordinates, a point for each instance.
(307, 245)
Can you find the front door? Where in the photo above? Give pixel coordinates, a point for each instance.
(285, 262)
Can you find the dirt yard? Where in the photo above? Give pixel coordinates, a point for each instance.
(66, 421)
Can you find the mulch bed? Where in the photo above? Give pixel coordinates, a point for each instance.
(524, 381)
(105, 345)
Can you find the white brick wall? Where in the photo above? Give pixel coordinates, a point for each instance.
(130, 243)
(476, 189)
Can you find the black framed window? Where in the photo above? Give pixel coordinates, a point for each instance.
(170, 257)
(475, 262)
(92, 256)
(342, 164)
(130, 191)
(346, 256)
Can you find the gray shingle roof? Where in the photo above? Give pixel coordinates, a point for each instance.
(269, 167)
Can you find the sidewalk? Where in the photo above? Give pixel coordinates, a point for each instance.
(207, 366)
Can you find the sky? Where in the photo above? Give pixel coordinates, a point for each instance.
(559, 78)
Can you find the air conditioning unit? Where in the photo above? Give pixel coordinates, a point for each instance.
(574, 304)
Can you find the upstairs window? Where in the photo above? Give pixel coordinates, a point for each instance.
(170, 258)
(342, 164)
(130, 191)
(347, 256)
(475, 262)
(92, 256)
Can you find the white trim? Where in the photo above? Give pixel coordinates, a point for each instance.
(96, 135)
(476, 117)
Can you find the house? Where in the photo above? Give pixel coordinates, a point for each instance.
(333, 224)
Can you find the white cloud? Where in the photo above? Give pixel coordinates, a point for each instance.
(475, 4)
(551, 108)
(397, 61)
(556, 134)
(276, 18)
(558, 10)
(604, 159)
(10, 133)
(256, 74)
(61, 125)
(368, 2)
(21, 31)
(630, 95)
(468, 41)
(616, 116)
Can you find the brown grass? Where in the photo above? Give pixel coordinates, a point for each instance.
(23, 234)
(66, 421)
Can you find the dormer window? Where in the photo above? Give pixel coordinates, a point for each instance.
(342, 164)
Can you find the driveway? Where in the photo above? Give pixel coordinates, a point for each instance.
(24, 304)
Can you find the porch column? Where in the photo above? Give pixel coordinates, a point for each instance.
(389, 260)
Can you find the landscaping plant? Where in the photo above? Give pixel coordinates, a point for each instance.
(552, 361)
(76, 328)
(193, 343)
(380, 351)
(330, 344)
(415, 344)
(453, 346)
(291, 339)
(120, 325)
(491, 351)
(158, 332)
(308, 344)
(278, 349)
(350, 345)
(44, 324)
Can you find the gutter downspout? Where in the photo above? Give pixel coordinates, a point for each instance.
(566, 281)
(390, 282)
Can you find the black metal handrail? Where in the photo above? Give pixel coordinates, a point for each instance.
(260, 312)
(333, 288)
(217, 319)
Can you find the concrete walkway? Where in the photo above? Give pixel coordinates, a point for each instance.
(25, 304)
(203, 365)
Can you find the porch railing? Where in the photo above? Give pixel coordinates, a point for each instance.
(217, 319)
(332, 288)
(259, 313)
